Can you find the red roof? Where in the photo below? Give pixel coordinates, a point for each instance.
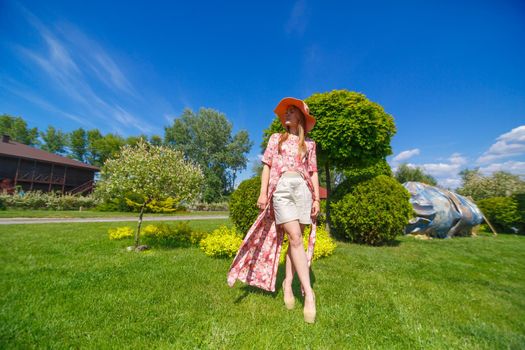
(19, 150)
(323, 193)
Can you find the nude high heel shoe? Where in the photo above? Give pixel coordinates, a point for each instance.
(288, 302)
(309, 313)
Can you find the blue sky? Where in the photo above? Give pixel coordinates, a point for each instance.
(451, 73)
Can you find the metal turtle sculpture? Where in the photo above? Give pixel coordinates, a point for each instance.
(441, 213)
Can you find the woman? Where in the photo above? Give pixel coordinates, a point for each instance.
(289, 198)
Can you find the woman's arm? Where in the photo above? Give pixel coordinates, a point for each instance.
(316, 204)
(263, 196)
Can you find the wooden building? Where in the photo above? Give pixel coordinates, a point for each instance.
(34, 169)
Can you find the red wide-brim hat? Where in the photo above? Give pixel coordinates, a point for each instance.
(280, 110)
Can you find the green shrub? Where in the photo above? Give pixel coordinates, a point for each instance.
(356, 175)
(520, 200)
(2, 204)
(324, 244)
(158, 232)
(321, 217)
(48, 201)
(243, 204)
(113, 205)
(28, 200)
(373, 212)
(214, 206)
(120, 232)
(482, 228)
(197, 236)
(502, 212)
(177, 233)
(222, 242)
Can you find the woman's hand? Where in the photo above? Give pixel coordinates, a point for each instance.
(315, 208)
(261, 202)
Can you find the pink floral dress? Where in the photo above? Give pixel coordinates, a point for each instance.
(257, 260)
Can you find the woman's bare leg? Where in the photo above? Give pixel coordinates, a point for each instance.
(298, 257)
(290, 269)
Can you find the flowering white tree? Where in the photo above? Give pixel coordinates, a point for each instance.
(151, 172)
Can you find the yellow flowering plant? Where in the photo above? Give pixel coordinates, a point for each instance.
(120, 233)
(222, 242)
(324, 244)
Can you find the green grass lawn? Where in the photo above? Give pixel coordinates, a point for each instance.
(68, 286)
(19, 213)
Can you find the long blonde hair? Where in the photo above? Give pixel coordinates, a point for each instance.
(301, 127)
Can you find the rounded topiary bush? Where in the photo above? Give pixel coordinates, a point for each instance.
(372, 212)
(502, 212)
(356, 175)
(243, 204)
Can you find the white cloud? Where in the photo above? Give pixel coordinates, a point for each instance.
(76, 65)
(514, 167)
(169, 118)
(125, 118)
(507, 145)
(298, 18)
(440, 170)
(457, 158)
(98, 60)
(402, 156)
(446, 173)
(23, 92)
(450, 182)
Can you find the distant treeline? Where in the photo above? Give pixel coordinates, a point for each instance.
(204, 137)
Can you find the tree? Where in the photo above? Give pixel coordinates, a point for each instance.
(55, 141)
(499, 184)
(17, 129)
(100, 148)
(150, 172)
(78, 144)
(350, 132)
(108, 146)
(405, 173)
(156, 140)
(236, 157)
(206, 138)
(133, 140)
(503, 213)
(506, 184)
(93, 156)
(257, 168)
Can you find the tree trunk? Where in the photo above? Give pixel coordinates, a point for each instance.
(137, 234)
(328, 192)
(234, 176)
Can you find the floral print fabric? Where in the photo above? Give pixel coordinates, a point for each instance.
(289, 159)
(257, 260)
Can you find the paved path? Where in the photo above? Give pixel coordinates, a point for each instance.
(11, 221)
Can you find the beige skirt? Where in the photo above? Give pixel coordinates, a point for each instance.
(292, 200)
